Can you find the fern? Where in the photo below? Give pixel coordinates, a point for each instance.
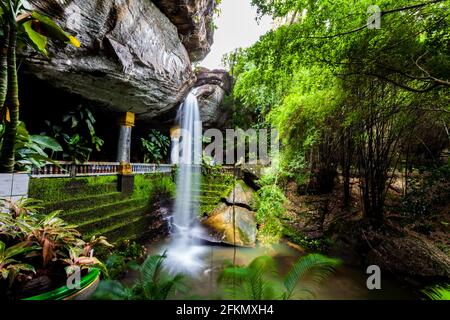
(438, 292)
(260, 280)
(153, 283)
(313, 269)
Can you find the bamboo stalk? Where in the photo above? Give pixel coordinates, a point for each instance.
(7, 156)
(4, 69)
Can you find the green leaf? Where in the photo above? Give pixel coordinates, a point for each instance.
(52, 30)
(47, 142)
(38, 41)
(21, 248)
(314, 266)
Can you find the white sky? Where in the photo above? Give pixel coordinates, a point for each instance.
(237, 28)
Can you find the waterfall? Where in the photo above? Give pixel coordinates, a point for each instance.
(184, 253)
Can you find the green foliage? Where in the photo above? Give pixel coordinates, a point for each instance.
(42, 241)
(153, 283)
(11, 268)
(153, 186)
(438, 292)
(271, 208)
(61, 189)
(31, 150)
(427, 191)
(340, 93)
(125, 256)
(155, 147)
(77, 134)
(19, 28)
(320, 245)
(260, 280)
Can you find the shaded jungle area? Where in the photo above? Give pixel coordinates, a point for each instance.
(363, 118)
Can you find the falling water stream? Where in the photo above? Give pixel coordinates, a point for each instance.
(184, 254)
(187, 254)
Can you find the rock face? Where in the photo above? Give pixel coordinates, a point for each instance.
(411, 257)
(240, 203)
(211, 90)
(220, 224)
(194, 21)
(251, 173)
(243, 196)
(131, 57)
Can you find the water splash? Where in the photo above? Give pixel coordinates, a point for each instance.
(184, 254)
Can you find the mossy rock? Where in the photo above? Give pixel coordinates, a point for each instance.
(220, 225)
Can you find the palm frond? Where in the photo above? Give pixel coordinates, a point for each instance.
(441, 292)
(313, 268)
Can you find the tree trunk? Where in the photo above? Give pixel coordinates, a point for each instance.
(4, 70)
(12, 103)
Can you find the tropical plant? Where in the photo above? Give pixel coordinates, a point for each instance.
(32, 29)
(153, 283)
(95, 242)
(43, 241)
(78, 261)
(11, 268)
(155, 147)
(271, 207)
(117, 265)
(343, 94)
(54, 236)
(77, 134)
(440, 292)
(260, 280)
(31, 150)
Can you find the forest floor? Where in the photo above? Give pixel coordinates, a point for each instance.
(408, 243)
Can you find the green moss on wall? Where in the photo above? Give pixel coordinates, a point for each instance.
(97, 208)
(61, 189)
(153, 186)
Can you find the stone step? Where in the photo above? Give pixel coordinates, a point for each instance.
(137, 227)
(75, 204)
(113, 219)
(92, 213)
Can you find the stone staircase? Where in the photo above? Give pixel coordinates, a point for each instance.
(98, 209)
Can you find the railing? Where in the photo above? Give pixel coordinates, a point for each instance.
(144, 168)
(66, 169)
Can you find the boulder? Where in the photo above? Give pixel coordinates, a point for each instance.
(211, 89)
(411, 257)
(243, 196)
(131, 57)
(194, 21)
(251, 173)
(220, 226)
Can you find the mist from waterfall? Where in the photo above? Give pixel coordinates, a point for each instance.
(184, 253)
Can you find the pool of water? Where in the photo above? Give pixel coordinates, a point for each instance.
(347, 283)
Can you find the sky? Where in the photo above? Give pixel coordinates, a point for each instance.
(237, 28)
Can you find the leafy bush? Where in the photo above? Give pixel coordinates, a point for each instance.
(270, 209)
(31, 242)
(305, 242)
(77, 134)
(31, 150)
(155, 147)
(427, 191)
(153, 283)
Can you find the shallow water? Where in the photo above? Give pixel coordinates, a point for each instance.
(348, 283)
